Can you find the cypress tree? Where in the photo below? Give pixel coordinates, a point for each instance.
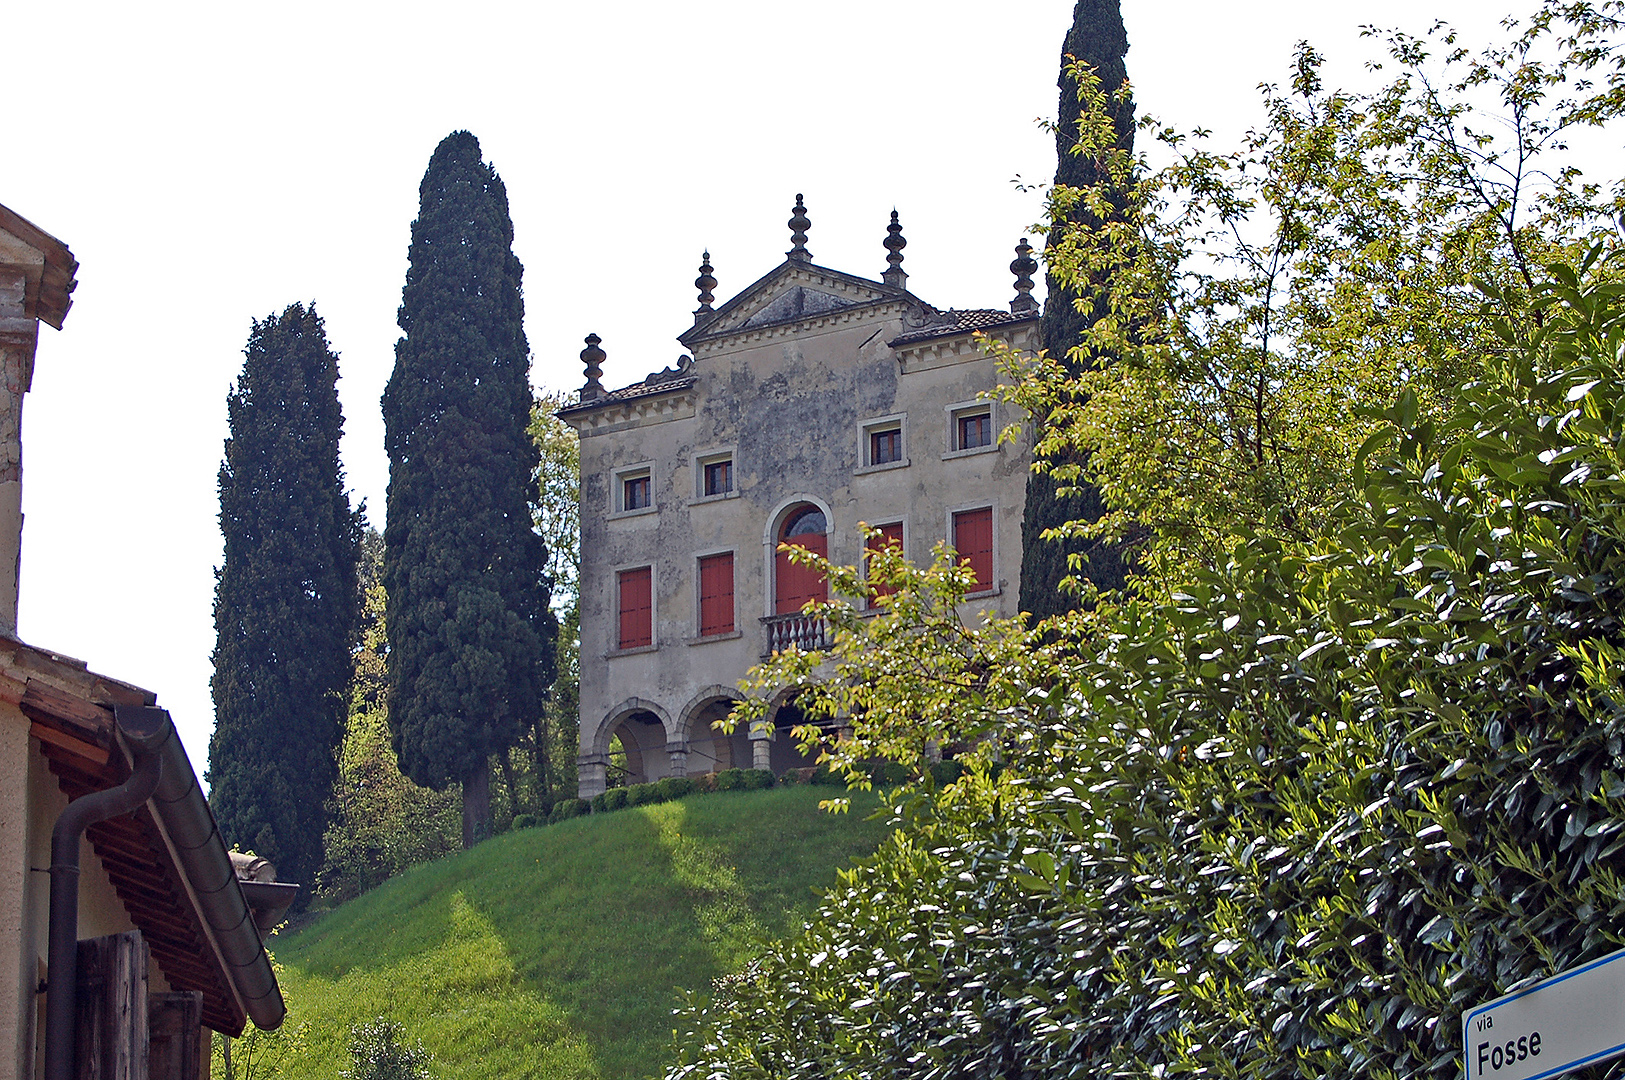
(1096, 38)
(286, 598)
(471, 636)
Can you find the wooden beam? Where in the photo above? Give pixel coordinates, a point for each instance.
(86, 751)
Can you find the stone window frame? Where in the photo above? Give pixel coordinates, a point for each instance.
(875, 425)
(640, 470)
(699, 461)
(960, 409)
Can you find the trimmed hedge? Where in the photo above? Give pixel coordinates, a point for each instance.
(565, 809)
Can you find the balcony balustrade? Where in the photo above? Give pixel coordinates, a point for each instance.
(804, 632)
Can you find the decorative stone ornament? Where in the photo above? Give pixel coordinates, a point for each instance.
(705, 283)
(799, 224)
(592, 357)
(1024, 267)
(895, 276)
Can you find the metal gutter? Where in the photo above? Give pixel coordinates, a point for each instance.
(194, 841)
(145, 734)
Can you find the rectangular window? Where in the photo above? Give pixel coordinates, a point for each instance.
(973, 541)
(635, 493)
(719, 477)
(885, 446)
(717, 594)
(975, 429)
(636, 600)
(890, 536)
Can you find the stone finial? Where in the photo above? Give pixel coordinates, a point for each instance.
(799, 224)
(1024, 268)
(895, 275)
(592, 357)
(705, 283)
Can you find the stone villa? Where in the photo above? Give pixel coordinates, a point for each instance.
(812, 401)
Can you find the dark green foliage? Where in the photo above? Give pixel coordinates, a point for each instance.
(731, 780)
(674, 787)
(527, 821)
(1291, 821)
(944, 773)
(1097, 39)
(378, 1052)
(286, 598)
(381, 823)
(643, 794)
(565, 809)
(613, 799)
(471, 635)
(889, 774)
(824, 776)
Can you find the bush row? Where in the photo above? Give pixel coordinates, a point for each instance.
(881, 774)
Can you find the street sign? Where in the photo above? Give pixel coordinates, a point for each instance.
(1561, 1023)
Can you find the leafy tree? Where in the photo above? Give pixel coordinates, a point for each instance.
(1260, 302)
(285, 606)
(558, 518)
(471, 635)
(1291, 821)
(381, 822)
(1334, 778)
(1051, 553)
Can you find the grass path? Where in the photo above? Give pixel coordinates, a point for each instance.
(558, 952)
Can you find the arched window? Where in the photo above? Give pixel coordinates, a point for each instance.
(794, 586)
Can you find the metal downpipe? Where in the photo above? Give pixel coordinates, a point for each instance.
(144, 730)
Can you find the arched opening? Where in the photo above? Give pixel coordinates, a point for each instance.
(710, 750)
(785, 753)
(793, 586)
(637, 750)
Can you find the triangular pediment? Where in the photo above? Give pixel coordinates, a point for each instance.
(791, 293)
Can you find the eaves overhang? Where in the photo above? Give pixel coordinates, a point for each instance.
(164, 859)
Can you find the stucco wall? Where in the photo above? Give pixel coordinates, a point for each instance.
(790, 405)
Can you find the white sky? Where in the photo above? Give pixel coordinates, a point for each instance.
(210, 163)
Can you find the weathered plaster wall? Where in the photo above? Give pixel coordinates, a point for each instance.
(16, 977)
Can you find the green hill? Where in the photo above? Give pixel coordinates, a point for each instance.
(559, 951)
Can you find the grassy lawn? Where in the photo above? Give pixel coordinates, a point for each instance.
(558, 952)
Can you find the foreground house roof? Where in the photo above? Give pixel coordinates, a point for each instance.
(166, 861)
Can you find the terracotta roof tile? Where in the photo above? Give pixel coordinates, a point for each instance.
(956, 321)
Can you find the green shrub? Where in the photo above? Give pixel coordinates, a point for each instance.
(378, 1053)
(888, 774)
(674, 787)
(705, 783)
(758, 779)
(823, 777)
(644, 794)
(613, 799)
(944, 773)
(565, 809)
(731, 780)
(526, 821)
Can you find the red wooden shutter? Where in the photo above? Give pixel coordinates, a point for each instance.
(973, 540)
(795, 585)
(890, 536)
(636, 624)
(717, 594)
